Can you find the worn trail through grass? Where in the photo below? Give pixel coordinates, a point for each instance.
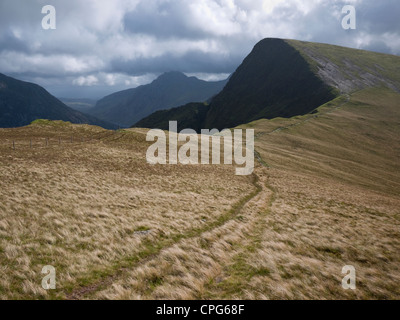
(199, 239)
(186, 268)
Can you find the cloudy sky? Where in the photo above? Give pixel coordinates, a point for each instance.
(103, 46)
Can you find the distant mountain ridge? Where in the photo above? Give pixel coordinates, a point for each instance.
(23, 102)
(285, 78)
(170, 90)
(191, 116)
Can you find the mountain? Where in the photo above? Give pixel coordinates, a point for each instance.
(170, 90)
(273, 81)
(286, 78)
(23, 102)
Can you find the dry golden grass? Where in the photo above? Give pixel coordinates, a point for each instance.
(184, 270)
(82, 207)
(336, 202)
(325, 194)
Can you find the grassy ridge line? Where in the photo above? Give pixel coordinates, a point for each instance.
(356, 69)
(369, 116)
(306, 119)
(97, 280)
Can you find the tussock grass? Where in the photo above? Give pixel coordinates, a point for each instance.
(336, 181)
(325, 194)
(79, 206)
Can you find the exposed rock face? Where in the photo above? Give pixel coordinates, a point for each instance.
(350, 76)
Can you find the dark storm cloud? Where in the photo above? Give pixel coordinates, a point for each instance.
(377, 17)
(164, 20)
(10, 41)
(190, 62)
(101, 45)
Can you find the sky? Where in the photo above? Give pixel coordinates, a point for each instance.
(103, 46)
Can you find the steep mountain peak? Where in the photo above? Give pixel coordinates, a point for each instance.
(172, 75)
(171, 78)
(169, 90)
(274, 80)
(267, 42)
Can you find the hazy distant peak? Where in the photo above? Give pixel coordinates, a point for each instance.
(171, 89)
(172, 75)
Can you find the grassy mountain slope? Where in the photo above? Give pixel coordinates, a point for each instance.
(96, 204)
(335, 182)
(325, 194)
(23, 102)
(354, 139)
(348, 69)
(171, 89)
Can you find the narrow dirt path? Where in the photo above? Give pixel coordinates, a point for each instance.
(145, 257)
(232, 282)
(184, 270)
(219, 244)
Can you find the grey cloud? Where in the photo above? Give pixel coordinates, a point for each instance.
(153, 36)
(11, 42)
(378, 46)
(166, 20)
(377, 17)
(190, 62)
